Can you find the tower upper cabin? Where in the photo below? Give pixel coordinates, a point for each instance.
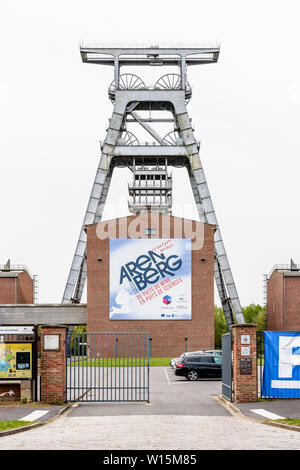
(180, 56)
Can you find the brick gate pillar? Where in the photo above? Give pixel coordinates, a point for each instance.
(244, 363)
(53, 363)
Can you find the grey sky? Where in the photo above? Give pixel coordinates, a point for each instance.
(54, 110)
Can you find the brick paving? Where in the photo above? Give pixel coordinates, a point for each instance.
(153, 433)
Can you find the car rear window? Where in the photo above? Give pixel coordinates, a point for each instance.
(206, 359)
(218, 360)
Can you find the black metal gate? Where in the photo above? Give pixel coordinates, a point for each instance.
(227, 366)
(107, 367)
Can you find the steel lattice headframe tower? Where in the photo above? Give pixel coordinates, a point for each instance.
(171, 93)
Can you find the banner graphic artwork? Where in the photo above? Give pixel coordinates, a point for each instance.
(15, 361)
(281, 376)
(150, 279)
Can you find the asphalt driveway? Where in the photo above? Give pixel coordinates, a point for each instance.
(169, 395)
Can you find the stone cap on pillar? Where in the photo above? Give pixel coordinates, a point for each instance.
(244, 325)
(53, 326)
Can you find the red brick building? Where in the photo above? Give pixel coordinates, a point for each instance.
(16, 287)
(283, 294)
(168, 336)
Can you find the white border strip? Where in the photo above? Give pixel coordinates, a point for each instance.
(267, 414)
(34, 415)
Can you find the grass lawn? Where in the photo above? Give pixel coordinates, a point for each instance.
(261, 361)
(128, 362)
(6, 425)
(291, 421)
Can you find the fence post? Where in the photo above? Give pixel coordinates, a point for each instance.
(53, 363)
(244, 363)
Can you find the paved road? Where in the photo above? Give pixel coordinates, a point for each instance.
(29, 413)
(181, 416)
(153, 433)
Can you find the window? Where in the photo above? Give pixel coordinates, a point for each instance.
(207, 359)
(150, 231)
(218, 360)
(193, 359)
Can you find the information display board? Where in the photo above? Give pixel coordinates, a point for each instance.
(15, 360)
(150, 279)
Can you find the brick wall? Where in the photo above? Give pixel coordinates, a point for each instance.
(275, 302)
(16, 289)
(53, 367)
(244, 385)
(292, 303)
(167, 335)
(25, 288)
(8, 290)
(283, 302)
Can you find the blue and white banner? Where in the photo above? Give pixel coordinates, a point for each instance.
(150, 279)
(281, 377)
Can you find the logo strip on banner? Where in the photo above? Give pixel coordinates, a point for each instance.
(150, 279)
(281, 376)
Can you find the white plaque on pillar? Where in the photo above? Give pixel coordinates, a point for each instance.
(51, 342)
(245, 351)
(245, 339)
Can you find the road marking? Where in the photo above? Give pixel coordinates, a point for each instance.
(181, 382)
(166, 373)
(34, 415)
(267, 414)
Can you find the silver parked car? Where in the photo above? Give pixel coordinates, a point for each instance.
(216, 352)
(175, 361)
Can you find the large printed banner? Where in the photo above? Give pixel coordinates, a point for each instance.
(150, 279)
(281, 376)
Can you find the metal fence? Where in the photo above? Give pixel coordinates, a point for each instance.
(107, 367)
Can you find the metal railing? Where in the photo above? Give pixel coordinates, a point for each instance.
(149, 45)
(107, 367)
(286, 267)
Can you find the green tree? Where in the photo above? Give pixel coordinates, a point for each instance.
(220, 326)
(253, 313)
(77, 338)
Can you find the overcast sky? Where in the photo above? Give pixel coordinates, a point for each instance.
(54, 111)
